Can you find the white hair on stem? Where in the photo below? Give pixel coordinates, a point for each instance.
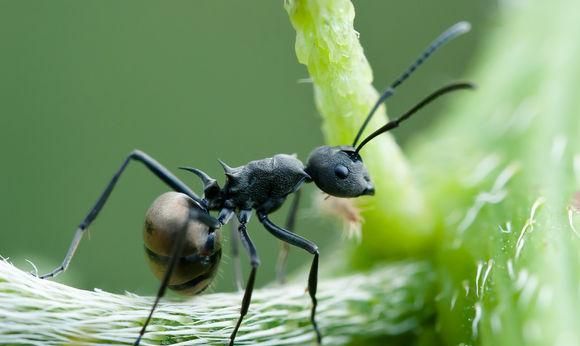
(43, 312)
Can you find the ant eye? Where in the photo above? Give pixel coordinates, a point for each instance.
(341, 171)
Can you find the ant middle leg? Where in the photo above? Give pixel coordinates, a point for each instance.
(176, 253)
(235, 254)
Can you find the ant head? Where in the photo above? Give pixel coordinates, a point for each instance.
(339, 171)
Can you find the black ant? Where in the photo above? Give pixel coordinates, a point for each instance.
(182, 238)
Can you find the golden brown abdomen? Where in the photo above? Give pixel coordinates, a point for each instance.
(201, 254)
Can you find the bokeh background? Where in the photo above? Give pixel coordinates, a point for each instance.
(83, 83)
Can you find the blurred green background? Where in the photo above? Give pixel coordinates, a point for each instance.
(82, 83)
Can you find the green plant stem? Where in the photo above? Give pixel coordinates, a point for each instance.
(328, 45)
(389, 301)
(501, 172)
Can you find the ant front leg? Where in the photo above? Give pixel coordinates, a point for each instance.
(305, 244)
(244, 217)
(282, 262)
(155, 167)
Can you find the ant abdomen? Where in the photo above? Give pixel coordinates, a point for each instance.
(198, 262)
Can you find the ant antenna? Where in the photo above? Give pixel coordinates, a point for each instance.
(449, 34)
(435, 95)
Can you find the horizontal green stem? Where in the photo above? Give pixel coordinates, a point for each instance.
(390, 301)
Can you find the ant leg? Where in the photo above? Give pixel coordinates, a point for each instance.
(244, 217)
(155, 167)
(235, 251)
(194, 214)
(298, 241)
(284, 248)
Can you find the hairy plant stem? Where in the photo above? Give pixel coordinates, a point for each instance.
(392, 300)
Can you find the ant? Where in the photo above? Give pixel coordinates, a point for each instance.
(182, 238)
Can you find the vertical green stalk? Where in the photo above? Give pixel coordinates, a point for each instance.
(397, 219)
(500, 172)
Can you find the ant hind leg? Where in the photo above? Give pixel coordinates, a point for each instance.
(155, 167)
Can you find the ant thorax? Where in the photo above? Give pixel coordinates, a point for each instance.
(263, 184)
